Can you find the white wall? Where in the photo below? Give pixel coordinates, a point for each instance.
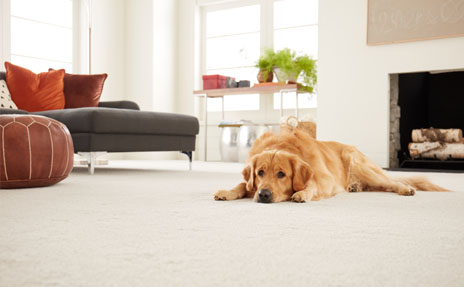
(186, 56)
(353, 85)
(108, 46)
(151, 54)
(165, 55)
(139, 56)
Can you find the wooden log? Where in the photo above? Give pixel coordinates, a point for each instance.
(437, 150)
(416, 149)
(437, 135)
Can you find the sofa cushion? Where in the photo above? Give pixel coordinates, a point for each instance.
(83, 90)
(122, 121)
(35, 92)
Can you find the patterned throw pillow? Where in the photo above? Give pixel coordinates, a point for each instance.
(5, 97)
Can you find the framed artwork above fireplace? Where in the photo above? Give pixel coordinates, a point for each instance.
(396, 21)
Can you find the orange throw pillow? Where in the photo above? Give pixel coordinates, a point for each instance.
(35, 92)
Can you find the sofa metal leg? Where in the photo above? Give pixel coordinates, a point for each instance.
(190, 155)
(91, 165)
(91, 158)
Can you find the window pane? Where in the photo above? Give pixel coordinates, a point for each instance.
(58, 12)
(38, 65)
(241, 102)
(291, 13)
(304, 101)
(33, 39)
(233, 21)
(232, 47)
(303, 40)
(296, 27)
(235, 103)
(232, 51)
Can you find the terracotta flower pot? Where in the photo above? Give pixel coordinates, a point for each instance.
(261, 78)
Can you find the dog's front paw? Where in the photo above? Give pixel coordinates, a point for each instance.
(408, 191)
(223, 195)
(299, 196)
(354, 187)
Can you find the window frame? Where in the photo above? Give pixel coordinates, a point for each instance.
(5, 35)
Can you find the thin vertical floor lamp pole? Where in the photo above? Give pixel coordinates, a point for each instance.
(88, 6)
(90, 50)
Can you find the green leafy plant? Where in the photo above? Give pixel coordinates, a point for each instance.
(266, 62)
(284, 60)
(288, 66)
(307, 70)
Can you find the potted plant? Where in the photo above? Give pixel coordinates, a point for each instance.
(289, 67)
(285, 66)
(265, 65)
(307, 70)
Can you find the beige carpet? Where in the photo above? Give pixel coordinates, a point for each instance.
(159, 226)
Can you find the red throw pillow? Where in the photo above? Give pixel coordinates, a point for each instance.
(35, 92)
(83, 90)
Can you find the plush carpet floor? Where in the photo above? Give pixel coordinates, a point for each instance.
(158, 225)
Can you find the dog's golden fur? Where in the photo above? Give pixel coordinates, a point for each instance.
(294, 166)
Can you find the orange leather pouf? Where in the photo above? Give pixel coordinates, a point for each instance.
(34, 151)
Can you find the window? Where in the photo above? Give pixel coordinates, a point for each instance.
(295, 27)
(234, 38)
(232, 47)
(41, 34)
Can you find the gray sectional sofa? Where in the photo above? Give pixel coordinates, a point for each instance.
(121, 127)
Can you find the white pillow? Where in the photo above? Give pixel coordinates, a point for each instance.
(5, 98)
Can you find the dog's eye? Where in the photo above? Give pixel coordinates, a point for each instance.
(261, 172)
(280, 174)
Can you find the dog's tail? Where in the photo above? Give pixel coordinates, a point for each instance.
(421, 183)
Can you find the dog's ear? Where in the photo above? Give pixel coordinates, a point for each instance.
(249, 174)
(246, 172)
(302, 173)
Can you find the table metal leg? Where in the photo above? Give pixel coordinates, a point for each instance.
(281, 103)
(296, 106)
(206, 127)
(222, 107)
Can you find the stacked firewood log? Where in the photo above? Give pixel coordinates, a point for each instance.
(437, 143)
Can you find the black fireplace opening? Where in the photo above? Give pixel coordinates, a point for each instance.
(429, 100)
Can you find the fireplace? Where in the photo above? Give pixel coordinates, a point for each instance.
(424, 100)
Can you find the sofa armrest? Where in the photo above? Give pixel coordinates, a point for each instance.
(119, 105)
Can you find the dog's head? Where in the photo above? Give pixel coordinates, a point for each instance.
(276, 175)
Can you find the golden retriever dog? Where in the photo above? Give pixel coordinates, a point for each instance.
(294, 166)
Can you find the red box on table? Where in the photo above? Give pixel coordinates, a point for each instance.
(214, 82)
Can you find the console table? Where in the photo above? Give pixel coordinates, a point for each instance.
(262, 90)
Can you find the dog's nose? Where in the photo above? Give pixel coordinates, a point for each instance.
(264, 196)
